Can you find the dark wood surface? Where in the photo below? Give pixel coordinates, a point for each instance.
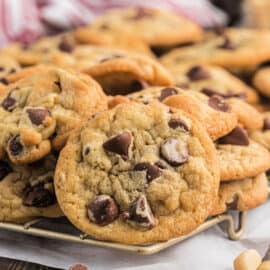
(11, 264)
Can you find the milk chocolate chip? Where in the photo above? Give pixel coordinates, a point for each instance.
(166, 92)
(9, 103)
(152, 171)
(238, 136)
(4, 169)
(119, 144)
(15, 146)
(65, 46)
(172, 153)
(218, 103)
(140, 213)
(102, 210)
(266, 123)
(178, 123)
(38, 115)
(197, 73)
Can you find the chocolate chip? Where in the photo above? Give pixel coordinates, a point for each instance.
(161, 165)
(1, 69)
(102, 210)
(238, 136)
(65, 46)
(87, 150)
(218, 103)
(15, 146)
(197, 73)
(119, 144)
(5, 169)
(232, 204)
(141, 213)
(266, 123)
(211, 92)
(166, 92)
(178, 123)
(9, 103)
(172, 153)
(38, 196)
(227, 44)
(37, 115)
(4, 81)
(141, 13)
(113, 56)
(13, 70)
(138, 85)
(152, 171)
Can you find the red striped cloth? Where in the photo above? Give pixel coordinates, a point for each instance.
(26, 20)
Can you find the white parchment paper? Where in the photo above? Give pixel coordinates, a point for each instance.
(209, 250)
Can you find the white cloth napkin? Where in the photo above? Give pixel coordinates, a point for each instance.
(209, 250)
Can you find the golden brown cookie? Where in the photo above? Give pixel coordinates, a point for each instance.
(241, 195)
(138, 174)
(235, 48)
(38, 112)
(239, 157)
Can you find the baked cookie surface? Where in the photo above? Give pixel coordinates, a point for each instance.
(38, 112)
(138, 174)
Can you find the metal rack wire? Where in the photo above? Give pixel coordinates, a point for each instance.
(61, 229)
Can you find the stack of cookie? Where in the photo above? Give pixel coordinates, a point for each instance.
(130, 147)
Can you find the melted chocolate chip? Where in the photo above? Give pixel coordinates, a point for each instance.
(166, 92)
(141, 13)
(119, 144)
(5, 169)
(65, 46)
(197, 73)
(38, 196)
(9, 103)
(37, 115)
(172, 153)
(218, 103)
(113, 56)
(238, 136)
(87, 150)
(152, 171)
(15, 146)
(4, 81)
(266, 123)
(102, 210)
(211, 92)
(138, 85)
(141, 213)
(227, 44)
(178, 123)
(232, 205)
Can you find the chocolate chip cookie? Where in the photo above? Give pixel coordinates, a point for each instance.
(27, 191)
(213, 112)
(211, 80)
(157, 28)
(239, 157)
(38, 112)
(235, 48)
(241, 195)
(261, 81)
(138, 174)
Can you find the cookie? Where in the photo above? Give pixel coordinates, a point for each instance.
(262, 136)
(157, 28)
(235, 48)
(114, 39)
(29, 55)
(8, 66)
(241, 195)
(239, 157)
(261, 81)
(38, 112)
(27, 191)
(120, 72)
(212, 112)
(212, 80)
(137, 174)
